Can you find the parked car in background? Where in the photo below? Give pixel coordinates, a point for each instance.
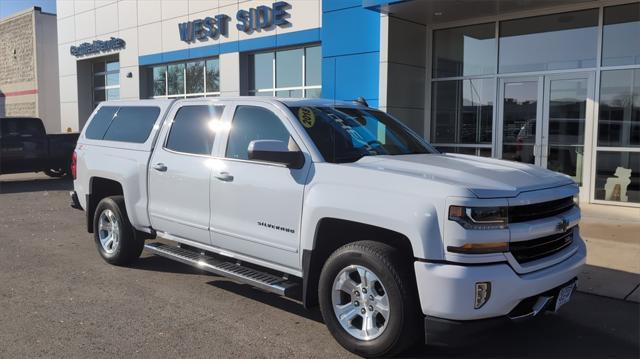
(26, 147)
(336, 204)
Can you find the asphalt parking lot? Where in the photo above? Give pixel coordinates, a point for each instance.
(59, 299)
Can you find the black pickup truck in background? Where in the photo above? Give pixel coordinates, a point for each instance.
(26, 147)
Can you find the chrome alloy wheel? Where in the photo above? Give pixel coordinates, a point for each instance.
(109, 231)
(360, 302)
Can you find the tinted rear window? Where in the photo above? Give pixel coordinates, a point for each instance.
(100, 123)
(132, 124)
(21, 127)
(124, 124)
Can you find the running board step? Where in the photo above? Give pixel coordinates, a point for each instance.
(265, 281)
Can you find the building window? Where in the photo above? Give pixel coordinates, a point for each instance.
(550, 42)
(621, 35)
(106, 81)
(462, 115)
(159, 81)
(463, 51)
(286, 73)
(175, 79)
(212, 76)
(198, 78)
(618, 176)
(195, 77)
(619, 118)
(618, 151)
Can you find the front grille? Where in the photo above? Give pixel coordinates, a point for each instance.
(527, 251)
(530, 212)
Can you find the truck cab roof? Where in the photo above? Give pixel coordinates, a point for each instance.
(289, 102)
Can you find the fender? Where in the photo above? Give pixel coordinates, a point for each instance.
(131, 175)
(393, 210)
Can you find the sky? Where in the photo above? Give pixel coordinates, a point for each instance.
(10, 7)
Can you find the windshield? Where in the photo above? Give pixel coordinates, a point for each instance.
(346, 134)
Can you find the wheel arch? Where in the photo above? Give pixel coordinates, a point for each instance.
(326, 242)
(99, 188)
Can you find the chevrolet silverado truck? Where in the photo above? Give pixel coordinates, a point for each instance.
(334, 203)
(26, 147)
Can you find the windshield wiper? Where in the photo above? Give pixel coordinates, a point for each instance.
(346, 159)
(418, 153)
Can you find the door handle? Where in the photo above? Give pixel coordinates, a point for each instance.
(160, 167)
(224, 176)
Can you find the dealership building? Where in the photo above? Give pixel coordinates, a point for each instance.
(554, 83)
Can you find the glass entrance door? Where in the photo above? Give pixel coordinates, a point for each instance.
(521, 117)
(543, 120)
(565, 117)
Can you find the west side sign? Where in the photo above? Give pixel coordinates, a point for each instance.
(261, 17)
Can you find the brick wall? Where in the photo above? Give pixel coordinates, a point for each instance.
(16, 34)
(20, 109)
(17, 66)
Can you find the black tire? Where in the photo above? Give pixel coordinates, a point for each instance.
(55, 172)
(403, 328)
(129, 245)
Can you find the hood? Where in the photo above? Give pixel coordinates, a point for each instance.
(485, 177)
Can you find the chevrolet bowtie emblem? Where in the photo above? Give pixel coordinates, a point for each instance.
(563, 225)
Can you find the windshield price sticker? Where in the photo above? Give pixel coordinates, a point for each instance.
(307, 117)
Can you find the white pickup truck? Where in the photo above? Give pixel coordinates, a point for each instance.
(334, 203)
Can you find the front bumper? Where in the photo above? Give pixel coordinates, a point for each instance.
(439, 330)
(447, 291)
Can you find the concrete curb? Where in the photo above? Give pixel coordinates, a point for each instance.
(610, 283)
(613, 255)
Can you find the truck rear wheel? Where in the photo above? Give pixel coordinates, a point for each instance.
(55, 172)
(368, 299)
(117, 241)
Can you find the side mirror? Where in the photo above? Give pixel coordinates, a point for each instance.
(276, 152)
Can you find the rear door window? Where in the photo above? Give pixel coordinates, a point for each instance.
(193, 129)
(132, 124)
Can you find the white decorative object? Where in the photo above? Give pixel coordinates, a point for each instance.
(616, 187)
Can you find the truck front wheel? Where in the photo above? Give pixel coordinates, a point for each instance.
(116, 239)
(368, 299)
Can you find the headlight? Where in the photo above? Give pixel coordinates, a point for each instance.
(479, 217)
(576, 199)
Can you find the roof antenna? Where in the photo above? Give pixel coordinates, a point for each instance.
(361, 101)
